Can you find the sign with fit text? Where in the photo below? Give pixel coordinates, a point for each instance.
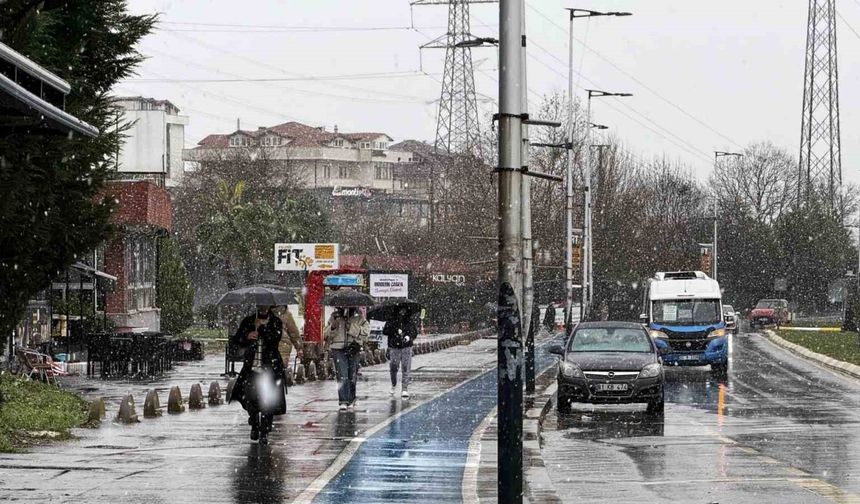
(385, 285)
(306, 256)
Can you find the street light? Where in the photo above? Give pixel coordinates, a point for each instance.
(574, 14)
(717, 155)
(588, 256)
(477, 42)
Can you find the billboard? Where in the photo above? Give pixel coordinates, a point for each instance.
(306, 256)
(389, 285)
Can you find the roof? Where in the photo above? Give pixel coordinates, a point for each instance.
(156, 103)
(414, 264)
(23, 63)
(671, 288)
(300, 135)
(41, 111)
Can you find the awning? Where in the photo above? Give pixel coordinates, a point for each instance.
(29, 66)
(41, 112)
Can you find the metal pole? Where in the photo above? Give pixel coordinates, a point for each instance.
(587, 289)
(568, 263)
(528, 251)
(510, 393)
(715, 236)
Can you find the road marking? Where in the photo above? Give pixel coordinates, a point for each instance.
(826, 490)
(473, 460)
(308, 495)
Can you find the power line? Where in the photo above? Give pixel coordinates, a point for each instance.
(265, 28)
(379, 75)
(636, 80)
(847, 23)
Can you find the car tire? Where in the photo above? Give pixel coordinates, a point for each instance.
(563, 404)
(657, 406)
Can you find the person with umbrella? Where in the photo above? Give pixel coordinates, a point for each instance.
(260, 387)
(401, 331)
(345, 335)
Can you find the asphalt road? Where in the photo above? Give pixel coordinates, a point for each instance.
(779, 429)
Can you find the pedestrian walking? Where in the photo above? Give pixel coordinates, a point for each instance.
(260, 386)
(345, 335)
(294, 337)
(401, 332)
(549, 317)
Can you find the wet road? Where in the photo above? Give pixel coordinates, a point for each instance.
(779, 429)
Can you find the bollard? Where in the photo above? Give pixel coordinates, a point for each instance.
(371, 358)
(312, 371)
(174, 401)
(300, 373)
(195, 397)
(362, 358)
(96, 411)
(323, 370)
(384, 356)
(288, 377)
(151, 405)
(377, 356)
(126, 414)
(215, 394)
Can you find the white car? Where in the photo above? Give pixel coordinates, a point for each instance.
(731, 318)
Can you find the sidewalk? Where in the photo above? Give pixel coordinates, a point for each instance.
(206, 456)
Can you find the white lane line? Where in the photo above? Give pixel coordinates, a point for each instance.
(308, 495)
(473, 461)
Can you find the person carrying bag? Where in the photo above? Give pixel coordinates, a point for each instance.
(345, 335)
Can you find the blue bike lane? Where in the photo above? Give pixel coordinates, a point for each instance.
(420, 455)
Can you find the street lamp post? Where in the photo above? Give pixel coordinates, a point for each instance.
(717, 155)
(588, 256)
(574, 14)
(509, 346)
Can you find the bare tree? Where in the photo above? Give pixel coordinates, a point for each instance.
(763, 183)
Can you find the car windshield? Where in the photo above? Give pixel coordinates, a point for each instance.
(767, 303)
(728, 310)
(687, 312)
(609, 340)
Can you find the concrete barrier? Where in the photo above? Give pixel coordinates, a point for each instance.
(96, 411)
(174, 401)
(151, 405)
(195, 398)
(127, 413)
(215, 394)
(312, 371)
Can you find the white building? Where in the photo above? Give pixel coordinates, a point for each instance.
(154, 142)
(348, 163)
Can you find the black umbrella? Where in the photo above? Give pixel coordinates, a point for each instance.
(391, 309)
(348, 298)
(259, 295)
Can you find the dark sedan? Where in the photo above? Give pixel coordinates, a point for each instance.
(609, 363)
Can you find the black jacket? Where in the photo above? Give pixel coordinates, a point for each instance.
(401, 332)
(269, 335)
(549, 317)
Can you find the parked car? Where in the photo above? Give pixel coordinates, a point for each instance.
(731, 319)
(609, 363)
(769, 312)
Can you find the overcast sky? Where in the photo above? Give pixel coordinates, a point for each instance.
(706, 75)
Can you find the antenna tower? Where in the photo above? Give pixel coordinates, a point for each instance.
(820, 158)
(457, 129)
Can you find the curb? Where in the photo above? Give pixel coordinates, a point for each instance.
(538, 484)
(844, 368)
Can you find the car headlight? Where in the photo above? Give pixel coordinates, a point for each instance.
(655, 334)
(651, 370)
(717, 333)
(571, 370)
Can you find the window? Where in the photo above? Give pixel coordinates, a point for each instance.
(365, 145)
(140, 272)
(610, 340)
(327, 171)
(342, 172)
(338, 142)
(380, 145)
(382, 171)
(687, 312)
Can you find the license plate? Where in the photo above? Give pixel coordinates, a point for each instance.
(688, 357)
(611, 387)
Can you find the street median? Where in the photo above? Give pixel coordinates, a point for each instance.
(844, 345)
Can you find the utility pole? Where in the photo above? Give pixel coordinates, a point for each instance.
(510, 392)
(528, 250)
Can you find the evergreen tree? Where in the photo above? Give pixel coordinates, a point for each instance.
(175, 293)
(50, 212)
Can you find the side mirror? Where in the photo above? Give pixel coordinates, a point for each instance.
(643, 317)
(556, 350)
